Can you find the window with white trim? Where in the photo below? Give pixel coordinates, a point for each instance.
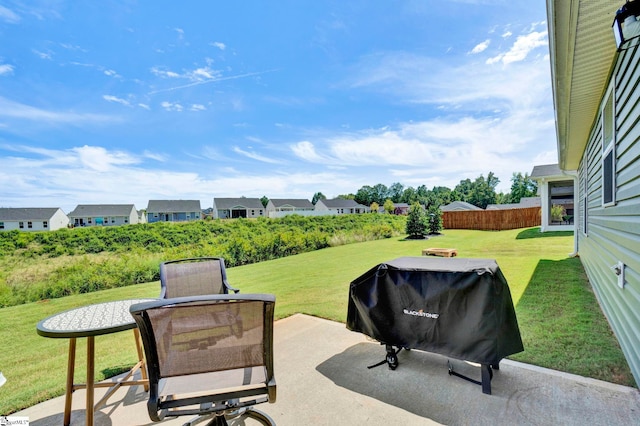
(608, 151)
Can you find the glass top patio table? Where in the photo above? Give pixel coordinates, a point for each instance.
(90, 321)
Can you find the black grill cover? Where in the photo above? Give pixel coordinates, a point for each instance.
(456, 307)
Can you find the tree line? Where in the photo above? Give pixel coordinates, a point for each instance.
(480, 192)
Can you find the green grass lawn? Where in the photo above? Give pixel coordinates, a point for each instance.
(561, 324)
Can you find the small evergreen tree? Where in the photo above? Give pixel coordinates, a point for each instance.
(416, 223)
(374, 207)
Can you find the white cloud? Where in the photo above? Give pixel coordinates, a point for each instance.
(72, 47)
(471, 88)
(6, 69)
(115, 99)
(492, 118)
(255, 156)
(7, 15)
(481, 47)
(96, 175)
(196, 75)
(101, 160)
(521, 48)
(169, 106)
(441, 150)
(13, 109)
(203, 73)
(43, 55)
(305, 150)
(154, 156)
(199, 76)
(162, 73)
(489, 113)
(82, 64)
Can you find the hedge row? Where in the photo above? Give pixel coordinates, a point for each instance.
(97, 258)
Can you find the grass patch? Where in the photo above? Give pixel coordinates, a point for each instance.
(535, 233)
(560, 320)
(563, 327)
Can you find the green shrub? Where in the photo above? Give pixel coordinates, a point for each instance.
(107, 257)
(416, 222)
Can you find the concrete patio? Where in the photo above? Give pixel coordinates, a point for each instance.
(322, 376)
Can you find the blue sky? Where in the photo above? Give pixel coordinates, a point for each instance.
(127, 101)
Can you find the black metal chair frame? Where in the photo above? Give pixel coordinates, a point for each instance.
(164, 280)
(222, 406)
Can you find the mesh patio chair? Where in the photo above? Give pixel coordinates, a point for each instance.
(194, 277)
(208, 356)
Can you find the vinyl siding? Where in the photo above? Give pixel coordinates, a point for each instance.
(10, 218)
(613, 233)
(58, 221)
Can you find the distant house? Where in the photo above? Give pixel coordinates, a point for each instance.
(398, 208)
(457, 206)
(230, 208)
(278, 207)
(597, 105)
(142, 216)
(207, 213)
(530, 202)
(556, 188)
(401, 208)
(103, 215)
(32, 219)
(173, 210)
(340, 206)
(525, 202)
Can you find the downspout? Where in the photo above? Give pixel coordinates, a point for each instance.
(576, 188)
(545, 200)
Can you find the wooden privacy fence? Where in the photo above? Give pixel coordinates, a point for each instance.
(492, 220)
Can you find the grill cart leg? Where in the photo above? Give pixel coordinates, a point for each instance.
(487, 375)
(392, 357)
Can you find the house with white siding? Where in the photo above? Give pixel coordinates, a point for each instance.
(597, 104)
(32, 218)
(173, 211)
(103, 215)
(278, 207)
(231, 208)
(340, 206)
